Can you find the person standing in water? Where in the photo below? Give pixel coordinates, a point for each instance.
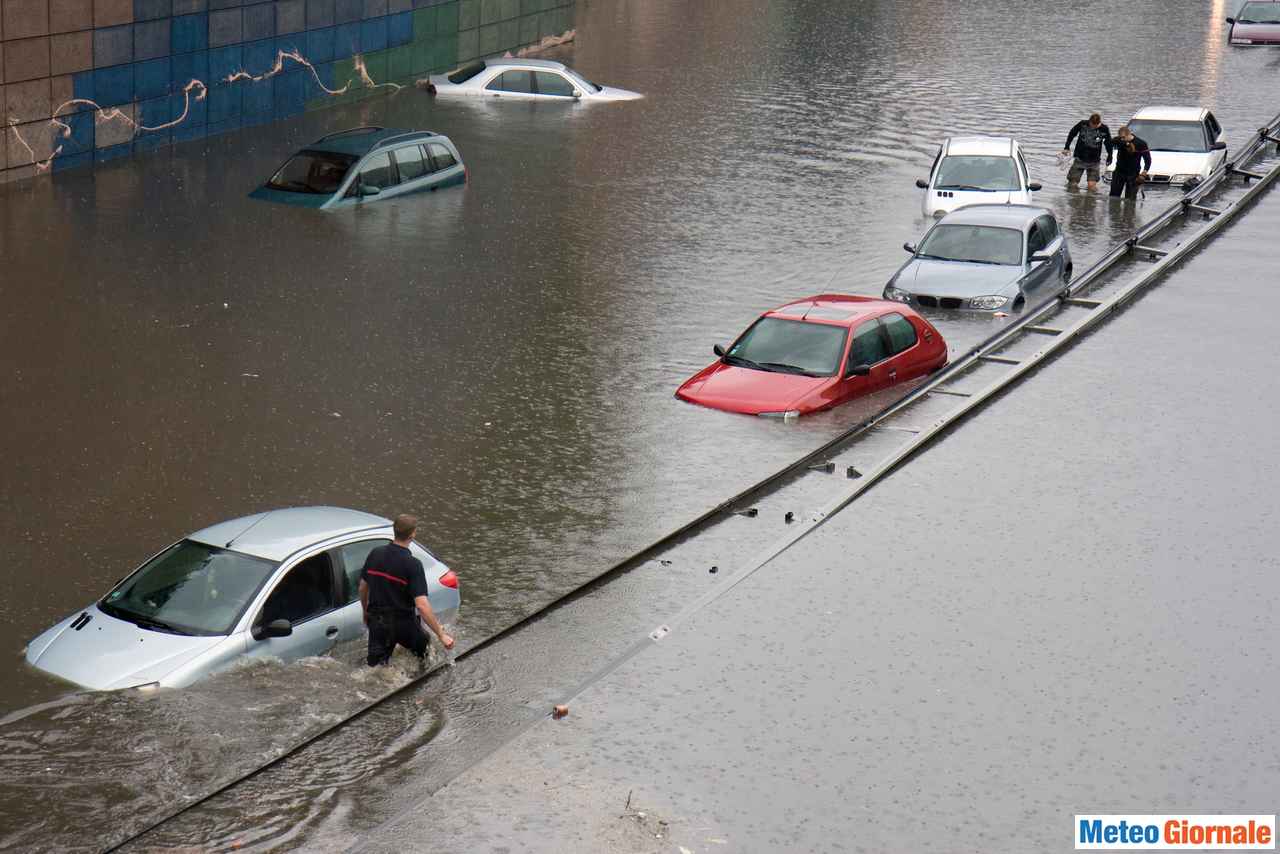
(1091, 136)
(393, 594)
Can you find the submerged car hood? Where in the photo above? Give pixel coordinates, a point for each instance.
(1256, 32)
(738, 389)
(302, 200)
(958, 278)
(107, 654)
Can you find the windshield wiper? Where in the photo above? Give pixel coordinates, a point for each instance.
(743, 361)
(975, 261)
(963, 187)
(790, 369)
(146, 622)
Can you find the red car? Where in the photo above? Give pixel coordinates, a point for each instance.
(816, 353)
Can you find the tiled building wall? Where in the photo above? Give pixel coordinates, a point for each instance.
(89, 80)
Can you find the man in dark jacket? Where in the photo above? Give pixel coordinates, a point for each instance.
(393, 593)
(1091, 136)
(1133, 159)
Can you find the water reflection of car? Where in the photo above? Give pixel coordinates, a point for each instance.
(280, 584)
(971, 170)
(364, 164)
(984, 258)
(1257, 23)
(816, 353)
(1186, 143)
(523, 79)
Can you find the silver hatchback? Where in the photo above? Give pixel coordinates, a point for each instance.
(280, 585)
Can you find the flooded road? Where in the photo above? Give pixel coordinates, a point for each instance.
(499, 359)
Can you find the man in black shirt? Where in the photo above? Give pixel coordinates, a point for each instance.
(1133, 159)
(393, 593)
(1091, 137)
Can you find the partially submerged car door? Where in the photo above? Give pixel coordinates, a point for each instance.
(512, 83)
(868, 347)
(306, 596)
(1213, 131)
(1037, 272)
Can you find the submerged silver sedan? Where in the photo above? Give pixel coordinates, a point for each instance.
(523, 80)
(280, 584)
(984, 258)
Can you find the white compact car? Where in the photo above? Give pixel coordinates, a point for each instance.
(1187, 143)
(523, 80)
(976, 170)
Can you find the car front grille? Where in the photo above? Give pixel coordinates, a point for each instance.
(939, 302)
(927, 302)
(1158, 179)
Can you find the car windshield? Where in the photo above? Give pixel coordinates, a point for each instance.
(466, 72)
(1259, 13)
(318, 172)
(1170, 136)
(972, 172)
(189, 589)
(979, 244)
(789, 347)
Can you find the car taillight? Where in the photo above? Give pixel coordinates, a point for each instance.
(450, 579)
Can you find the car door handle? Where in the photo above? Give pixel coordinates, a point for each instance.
(331, 631)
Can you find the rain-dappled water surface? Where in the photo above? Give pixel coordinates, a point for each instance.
(500, 358)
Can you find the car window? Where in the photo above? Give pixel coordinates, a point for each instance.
(550, 83)
(378, 172)
(353, 557)
(192, 587)
(902, 335)
(466, 72)
(981, 244)
(512, 81)
(411, 163)
(441, 156)
(305, 592)
(972, 172)
(1214, 126)
(312, 172)
(1035, 239)
(869, 345)
(1048, 227)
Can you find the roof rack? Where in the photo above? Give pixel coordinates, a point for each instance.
(399, 136)
(362, 129)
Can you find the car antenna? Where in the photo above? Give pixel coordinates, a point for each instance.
(813, 303)
(246, 530)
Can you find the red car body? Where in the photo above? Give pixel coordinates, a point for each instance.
(736, 388)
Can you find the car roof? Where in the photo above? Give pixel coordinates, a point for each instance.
(840, 309)
(1008, 216)
(1171, 114)
(531, 63)
(981, 145)
(360, 141)
(276, 534)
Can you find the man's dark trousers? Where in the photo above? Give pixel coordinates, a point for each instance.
(388, 628)
(1127, 184)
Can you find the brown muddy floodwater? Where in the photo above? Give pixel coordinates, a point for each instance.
(500, 358)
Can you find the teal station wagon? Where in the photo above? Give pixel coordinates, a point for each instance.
(364, 164)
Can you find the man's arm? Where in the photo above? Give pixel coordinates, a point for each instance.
(364, 600)
(429, 617)
(1072, 135)
(1109, 144)
(1146, 159)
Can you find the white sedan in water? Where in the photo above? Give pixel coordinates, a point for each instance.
(976, 170)
(1187, 143)
(280, 585)
(523, 80)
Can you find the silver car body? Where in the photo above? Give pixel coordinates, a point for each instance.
(560, 82)
(927, 283)
(1179, 167)
(99, 652)
(941, 196)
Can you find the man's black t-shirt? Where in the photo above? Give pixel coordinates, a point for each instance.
(1132, 157)
(395, 578)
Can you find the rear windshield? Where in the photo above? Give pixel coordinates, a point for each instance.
(466, 72)
(318, 172)
(1259, 13)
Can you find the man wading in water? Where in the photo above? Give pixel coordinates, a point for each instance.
(393, 594)
(1133, 159)
(1093, 136)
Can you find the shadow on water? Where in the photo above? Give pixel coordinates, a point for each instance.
(498, 358)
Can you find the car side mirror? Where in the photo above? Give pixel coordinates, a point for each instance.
(273, 629)
(857, 371)
(1034, 186)
(718, 350)
(1219, 146)
(577, 93)
(922, 183)
(909, 247)
(1231, 20)
(369, 190)
(1037, 257)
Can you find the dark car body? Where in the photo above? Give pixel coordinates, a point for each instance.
(1257, 23)
(871, 344)
(364, 164)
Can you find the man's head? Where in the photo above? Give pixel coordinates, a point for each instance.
(1125, 133)
(1095, 120)
(405, 526)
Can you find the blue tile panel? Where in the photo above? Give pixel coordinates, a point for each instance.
(167, 44)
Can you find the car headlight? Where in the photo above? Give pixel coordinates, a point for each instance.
(788, 415)
(1242, 41)
(896, 294)
(1183, 178)
(988, 303)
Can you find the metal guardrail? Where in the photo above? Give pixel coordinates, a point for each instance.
(1030, 322)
